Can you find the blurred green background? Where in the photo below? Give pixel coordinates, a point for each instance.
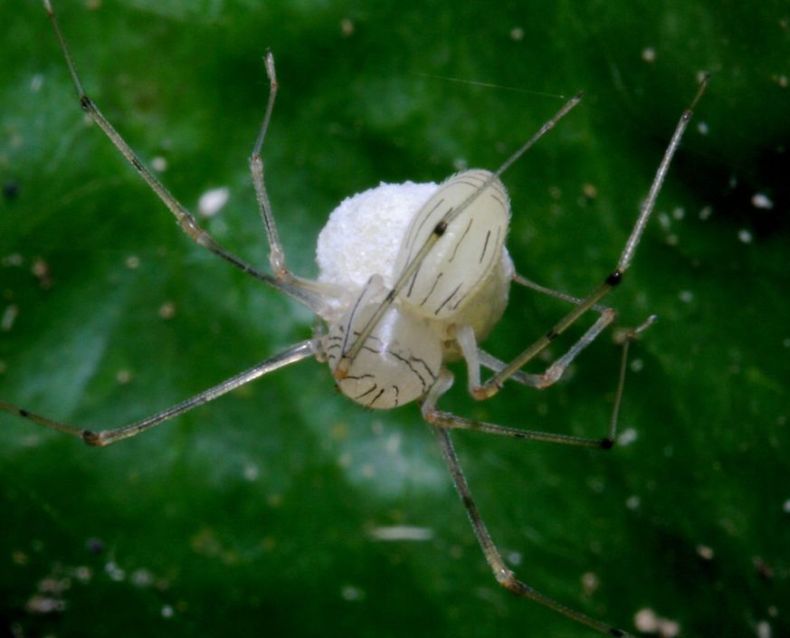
(257, 513)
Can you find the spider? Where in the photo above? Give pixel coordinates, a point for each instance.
(411, 276)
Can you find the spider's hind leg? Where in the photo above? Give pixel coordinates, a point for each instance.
(504, 576)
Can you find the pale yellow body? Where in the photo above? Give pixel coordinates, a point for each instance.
(463, 281)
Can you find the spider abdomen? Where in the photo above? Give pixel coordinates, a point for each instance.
(397, 364)
(469, 213)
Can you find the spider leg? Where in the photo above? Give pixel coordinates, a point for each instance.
(476, 357)
(551, 292)
(492, 363)
(315, 290)
(494, 384)
(466, 339)
(411, 268)
(487, 360)
(276, 252)
(449, 420)
(102, 438)
(184, 218)
(504, 576)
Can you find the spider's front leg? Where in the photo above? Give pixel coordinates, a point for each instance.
(276, 252)
(613, 280)
(309, 292)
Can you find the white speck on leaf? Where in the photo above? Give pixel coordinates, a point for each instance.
(212, 201)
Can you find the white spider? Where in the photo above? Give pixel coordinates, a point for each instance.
(411, 276)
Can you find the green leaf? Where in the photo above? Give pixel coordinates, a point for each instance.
(256, 512)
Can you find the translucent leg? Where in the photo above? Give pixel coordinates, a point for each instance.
(493, 385)
(184, 218)
(452, 421)
(348, 355)
(544, 290)
(313, 290)
(103, 438)
(466, 340)
(276, 253)
(504, 576)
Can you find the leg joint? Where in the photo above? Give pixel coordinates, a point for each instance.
(430, 414)
(94, 439)
(487, 390)
(507, 580)
(86, 104)
(615, 278)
